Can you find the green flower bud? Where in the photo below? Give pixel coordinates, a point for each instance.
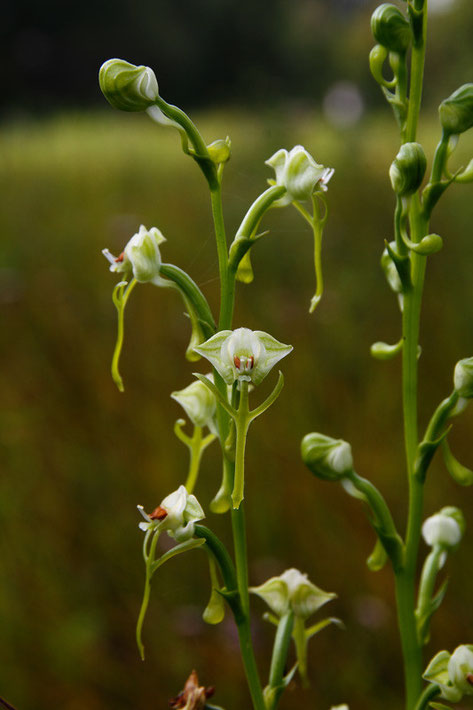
(444, 528)
(327, 458)
(438, 672)
(128, 87)
(456, 112)
(390, 28)
(220, 150)
(463, 378)
(408, 169)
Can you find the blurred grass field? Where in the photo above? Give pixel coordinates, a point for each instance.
(77, 456)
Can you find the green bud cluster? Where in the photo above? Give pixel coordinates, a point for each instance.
(408, 169)
(327, 458)
(390, 28)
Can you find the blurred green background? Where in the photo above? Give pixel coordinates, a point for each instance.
(77, 456)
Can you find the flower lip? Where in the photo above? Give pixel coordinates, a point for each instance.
(158, 513)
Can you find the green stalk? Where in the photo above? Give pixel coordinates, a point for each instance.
(227, 279)
(406, 577)
(227, 293)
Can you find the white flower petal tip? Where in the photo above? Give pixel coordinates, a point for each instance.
(243, 354)
(299, 173)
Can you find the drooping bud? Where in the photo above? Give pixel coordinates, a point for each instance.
(198, 402)
(456, 112)
(298, 172)
(408, 169)
(128, 87)
(141, 256)
(463, 378)
(327, 458)
(176, 514)
(390, 28)
(444, 528)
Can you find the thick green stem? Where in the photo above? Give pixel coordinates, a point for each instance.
(227, 279)
(406, 578)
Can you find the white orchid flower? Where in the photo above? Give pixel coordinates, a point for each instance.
(453, 673)
(243, 354)
(177, 515)
(140, 256)
(292, 591)
(299, 173)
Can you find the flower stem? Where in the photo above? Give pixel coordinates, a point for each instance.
(242, 423)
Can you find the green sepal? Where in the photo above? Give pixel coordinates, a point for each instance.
(378, 557)
(460, 474)
(317, 628)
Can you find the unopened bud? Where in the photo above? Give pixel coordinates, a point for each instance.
(390, 28)
(128, 87)
(456, 112)
(463, 378)
(327, 458)
(444, 528)
(408, 169)
(220, 150)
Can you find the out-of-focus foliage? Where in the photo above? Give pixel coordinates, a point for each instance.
(211, 51)
(77, 455)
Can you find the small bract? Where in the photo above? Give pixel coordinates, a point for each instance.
(176, 514)
(299, 173)
(243, 354)
(199, 403)
(292, 591)
(140, 256)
